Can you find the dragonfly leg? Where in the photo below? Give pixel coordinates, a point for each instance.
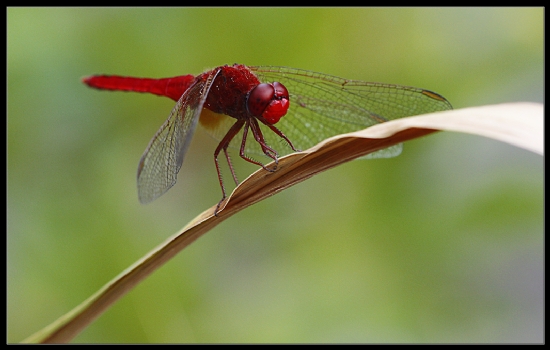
(230, 165)
(259, 137)
(270, 152)
(283, 136)
(224, 143)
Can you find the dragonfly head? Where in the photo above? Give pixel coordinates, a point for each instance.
(268, 101)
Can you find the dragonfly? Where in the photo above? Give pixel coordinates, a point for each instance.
(266, 111)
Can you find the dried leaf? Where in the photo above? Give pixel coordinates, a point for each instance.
(520, 124)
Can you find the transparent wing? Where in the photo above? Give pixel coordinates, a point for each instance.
(322, 106)
(163, 157)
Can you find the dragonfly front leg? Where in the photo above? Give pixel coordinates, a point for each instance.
(268, 151)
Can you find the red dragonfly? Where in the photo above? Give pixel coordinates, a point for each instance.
(285, 110)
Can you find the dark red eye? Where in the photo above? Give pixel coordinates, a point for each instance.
(280, 90)
(259, 98)
(268, 101)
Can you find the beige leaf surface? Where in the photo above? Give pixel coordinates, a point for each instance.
(520, 124)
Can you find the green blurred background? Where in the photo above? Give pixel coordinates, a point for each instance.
(441, 244)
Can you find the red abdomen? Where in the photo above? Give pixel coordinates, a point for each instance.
(169, 87)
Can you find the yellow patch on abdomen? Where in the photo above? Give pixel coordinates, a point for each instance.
(211, 120)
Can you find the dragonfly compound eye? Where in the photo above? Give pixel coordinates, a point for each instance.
(259, 98)
(269, 101)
